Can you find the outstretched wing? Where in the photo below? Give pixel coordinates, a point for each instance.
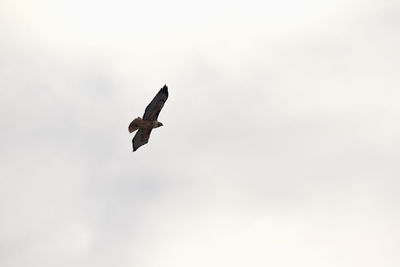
(141, 137)
(155, 106)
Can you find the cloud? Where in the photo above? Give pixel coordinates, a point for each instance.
(280, 145)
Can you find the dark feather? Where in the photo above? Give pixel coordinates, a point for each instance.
(153, 109)
(141, 137)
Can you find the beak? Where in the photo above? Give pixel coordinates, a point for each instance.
(160, 124)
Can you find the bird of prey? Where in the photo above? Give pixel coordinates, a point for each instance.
(149, 121)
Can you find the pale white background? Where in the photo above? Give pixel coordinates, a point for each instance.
(280, 145)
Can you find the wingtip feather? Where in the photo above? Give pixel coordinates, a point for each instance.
(165, 89)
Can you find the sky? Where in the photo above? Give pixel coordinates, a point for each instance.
(280, 143)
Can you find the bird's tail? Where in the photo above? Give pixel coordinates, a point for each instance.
(133, 126)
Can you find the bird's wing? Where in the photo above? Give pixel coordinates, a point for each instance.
(141, 137)
(155, 106)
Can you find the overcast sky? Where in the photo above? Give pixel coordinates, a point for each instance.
(280, 145)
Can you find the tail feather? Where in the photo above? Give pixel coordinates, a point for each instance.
(133, 126)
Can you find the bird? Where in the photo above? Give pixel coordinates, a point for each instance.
(149, 121)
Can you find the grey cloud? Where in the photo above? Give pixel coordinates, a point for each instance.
(279, 148)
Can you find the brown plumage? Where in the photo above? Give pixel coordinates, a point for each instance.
(149, 121)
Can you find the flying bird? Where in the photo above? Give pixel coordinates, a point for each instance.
(149, 121)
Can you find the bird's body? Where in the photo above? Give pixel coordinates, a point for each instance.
(149, 121)
(139, 123)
